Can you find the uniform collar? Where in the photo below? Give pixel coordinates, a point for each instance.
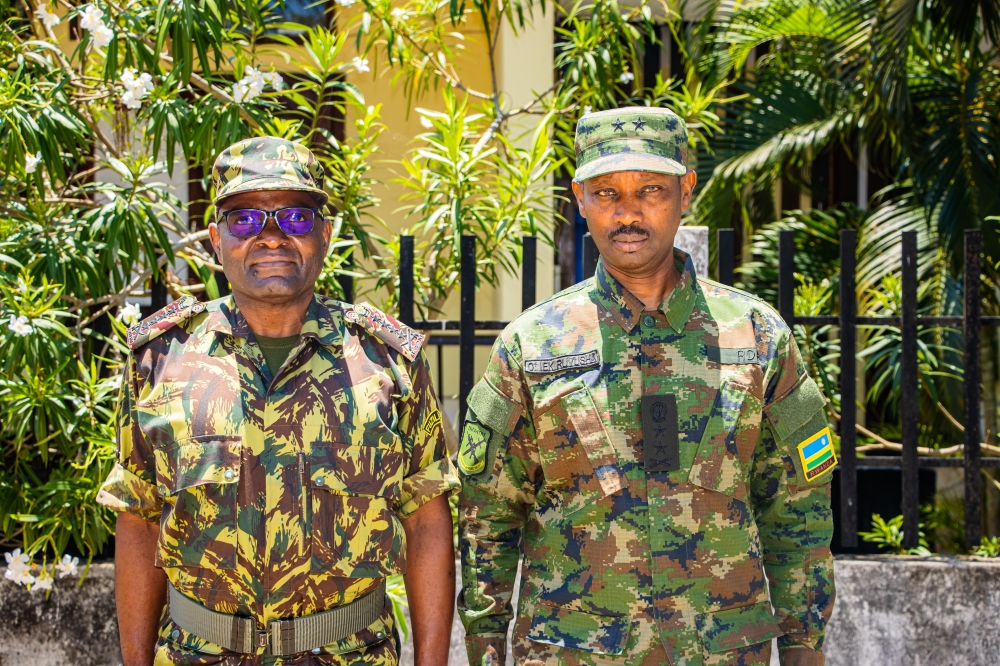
(626, 308)
(321, 323)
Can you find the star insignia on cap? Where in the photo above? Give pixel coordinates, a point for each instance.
(639, 124)
(619, 125)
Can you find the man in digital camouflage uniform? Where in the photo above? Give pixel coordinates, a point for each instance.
(650, 441)
(280, 453)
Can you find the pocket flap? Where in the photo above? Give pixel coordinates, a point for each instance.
(737, 627)
(198, 461)
(356, 470)
(589, 427)
(579, 630)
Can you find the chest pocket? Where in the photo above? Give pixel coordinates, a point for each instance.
(199, 480)
(352, 492)
(579, 460)
(724, 455)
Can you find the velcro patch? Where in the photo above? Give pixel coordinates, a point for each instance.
(560, 363)
(817, 454)
(732, 355)
(472, 452)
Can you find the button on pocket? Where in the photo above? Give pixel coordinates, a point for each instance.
(722, 460)
(580, 463)
(355, 532)
(202, 476)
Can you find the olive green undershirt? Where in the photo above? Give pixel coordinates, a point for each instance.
(276, 350)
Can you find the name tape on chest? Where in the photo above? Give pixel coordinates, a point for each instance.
(817, 454)
(560, 363)
(732, 355)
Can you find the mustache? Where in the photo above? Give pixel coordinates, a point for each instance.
(631, 229)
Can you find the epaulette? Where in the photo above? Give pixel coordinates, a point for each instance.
(391, 331)
(163, 320)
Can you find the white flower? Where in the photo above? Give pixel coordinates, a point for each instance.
(345, 3)
(253, 84)
(136, 87)
(626, 77)
(102, 36)
(275, 80)
(47, 18)
(20, 327)
(68, 566)
(130, 314)
(43, 582)
(361, 65)
(587, 110)
(400, 14)
(31, 162)
(426, 122)
(18, 567)
(16, 560)
(90, 17)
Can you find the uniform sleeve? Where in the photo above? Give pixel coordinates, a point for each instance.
(131, 485)
(429, 471)
(791, 501)
(498, 469)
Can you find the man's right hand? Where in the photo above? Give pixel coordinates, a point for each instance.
(140, 588)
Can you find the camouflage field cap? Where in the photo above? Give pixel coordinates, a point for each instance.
(267, 163)
(634, 138)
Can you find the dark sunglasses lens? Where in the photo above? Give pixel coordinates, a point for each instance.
(296, 221)
(245, 223)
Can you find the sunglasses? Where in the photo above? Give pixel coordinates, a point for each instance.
(249, 222)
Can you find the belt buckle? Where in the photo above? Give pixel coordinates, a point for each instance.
(263, 638)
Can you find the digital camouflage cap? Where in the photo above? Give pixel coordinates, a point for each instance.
(267, 163)
(635, 138)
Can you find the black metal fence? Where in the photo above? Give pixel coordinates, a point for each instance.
(473, 332)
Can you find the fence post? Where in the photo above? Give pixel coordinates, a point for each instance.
(406, 280)
(590, 256)
(786, 276)
(971, 325)
(724, 239)
(529, 269)
(346, 281)
(848, 391)
(910, 392)
(467, 332)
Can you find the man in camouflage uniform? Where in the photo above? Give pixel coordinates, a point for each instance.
(650, 442)
(280, 453)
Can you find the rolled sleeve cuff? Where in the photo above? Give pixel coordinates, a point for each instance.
(125, 491)
(486, 649)
(438, 478)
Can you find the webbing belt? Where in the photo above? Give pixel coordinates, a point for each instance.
(281, 637)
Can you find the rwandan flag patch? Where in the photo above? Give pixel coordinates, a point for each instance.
(817, 454)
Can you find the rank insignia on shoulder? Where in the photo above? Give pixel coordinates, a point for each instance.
(817, 454)
(163, 320)
(560, 363)
(472, 451)
(389, 330)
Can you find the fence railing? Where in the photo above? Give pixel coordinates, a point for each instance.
(848, 321)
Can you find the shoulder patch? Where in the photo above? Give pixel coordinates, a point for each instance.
(389, 330)
(163, 320)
